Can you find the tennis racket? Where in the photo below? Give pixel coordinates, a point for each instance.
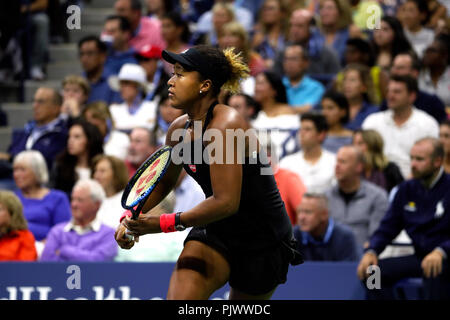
(145, 180)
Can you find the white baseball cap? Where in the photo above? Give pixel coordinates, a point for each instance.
(129, 72)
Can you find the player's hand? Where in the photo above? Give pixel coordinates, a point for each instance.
(121, 238)
(368, 259)
(145, 223)
(432, 264)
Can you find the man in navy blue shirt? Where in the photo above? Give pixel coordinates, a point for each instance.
(321, 238)
(92, 53)
(421, 206)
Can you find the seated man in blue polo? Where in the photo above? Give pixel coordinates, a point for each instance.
(321, 238)
(303, 92)
(421, 206)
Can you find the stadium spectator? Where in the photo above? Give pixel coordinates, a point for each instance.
(84, 237)
(289, 183)
(275, 115)
(11, 52)
(358, 88)
(142, 145)
(444, 137)
(303, 92)
(419, 207)
(175, 32)
(244, 104)
(47, 132)
(144, 30)
(158, 8)
(377, 168)
(359, 51)
(116, 34)
(112, 174)
(234, 35)
(270, 31)
(16, 242)
(324, 63)
(437, 13)
(415, 14)
(320, 237)
(336, 111)
(435, 75)
(134, 111)
(402, 123)
(75, 92)
(335, 23)
(93, 52)
(115, 142)
(42, 207)
(166, 114)
(354, 201)
(312, 163)
(74, 162)
(408, 64)
(388, 41)
(149, 58)
(40, 40)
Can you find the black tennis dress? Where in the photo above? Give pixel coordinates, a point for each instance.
(257, 240)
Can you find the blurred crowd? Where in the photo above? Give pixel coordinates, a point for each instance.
(354, 95)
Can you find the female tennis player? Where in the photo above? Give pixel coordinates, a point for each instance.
(241, 232)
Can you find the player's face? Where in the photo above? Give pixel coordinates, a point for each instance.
(184, 87)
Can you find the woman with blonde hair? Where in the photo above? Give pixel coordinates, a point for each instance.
(234, 35)
(16, 241)
(112, 173)
(115, 142)
(270, 30)
(358, 88)
(75, 92)
(378, 169)
(335, 24)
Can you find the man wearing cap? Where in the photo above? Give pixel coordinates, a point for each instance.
(117, 33)
(134, 111)
(149, 58)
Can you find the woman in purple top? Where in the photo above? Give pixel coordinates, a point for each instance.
(43, 207)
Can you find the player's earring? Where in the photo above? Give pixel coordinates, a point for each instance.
(201, 91)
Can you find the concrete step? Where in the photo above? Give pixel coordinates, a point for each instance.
(99, 4)
(5, 138)
(94, 16)
(76, 35)
(9, 92)
(59, 70)
(18, 113)
(31, 87)
(63, 52)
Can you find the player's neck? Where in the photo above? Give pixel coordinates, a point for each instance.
(199, 109)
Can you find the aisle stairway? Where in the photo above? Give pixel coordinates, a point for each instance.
(63, 61)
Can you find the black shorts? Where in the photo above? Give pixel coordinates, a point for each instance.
(253, 272)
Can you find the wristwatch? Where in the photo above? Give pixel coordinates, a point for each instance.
(178, 225)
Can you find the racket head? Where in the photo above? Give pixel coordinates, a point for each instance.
(144, 181)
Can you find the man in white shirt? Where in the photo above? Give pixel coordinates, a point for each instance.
(402, 124)
(312, 163)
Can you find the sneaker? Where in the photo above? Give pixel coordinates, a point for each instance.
(37, 73)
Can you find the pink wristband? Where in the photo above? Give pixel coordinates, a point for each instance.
(125, 214)
(167, 222)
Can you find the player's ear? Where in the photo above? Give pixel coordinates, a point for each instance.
(206, 86)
